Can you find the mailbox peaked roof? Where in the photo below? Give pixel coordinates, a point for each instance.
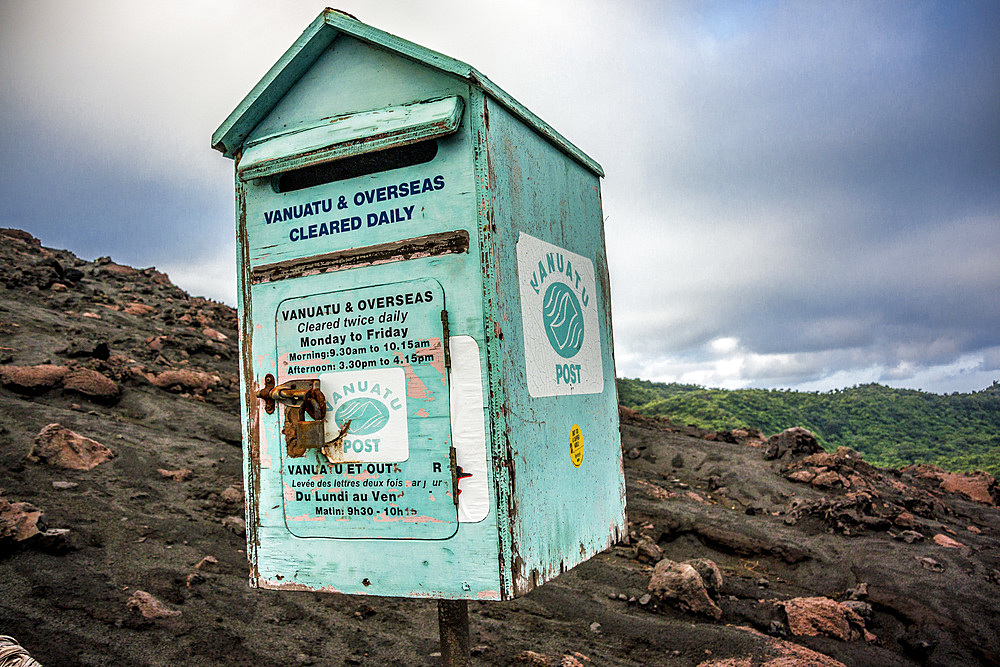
(314, 41)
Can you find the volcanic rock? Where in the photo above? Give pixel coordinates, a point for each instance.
(32, 379)
(176, 475)
(791, 443)
(57, 445)
(681, 582)
(771, 652)
(136, 308)
(18, 521)
(709, 573)
(197, 382)
(820, 616)
(946, 541)
(91, 384)
(647, 551)
(978, 486)
(149, 606)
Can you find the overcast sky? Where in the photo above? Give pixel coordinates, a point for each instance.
(798, 194)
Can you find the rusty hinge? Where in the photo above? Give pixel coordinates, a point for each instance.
(445, 335)
(457, 475)
(453, 459)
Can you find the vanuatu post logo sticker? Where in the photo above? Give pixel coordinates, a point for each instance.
(374, 402)
(562, 342)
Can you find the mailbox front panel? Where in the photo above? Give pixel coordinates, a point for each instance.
(385, 310)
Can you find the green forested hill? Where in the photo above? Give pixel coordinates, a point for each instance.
(891, 427)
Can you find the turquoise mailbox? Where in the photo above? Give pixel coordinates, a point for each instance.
(429, 401)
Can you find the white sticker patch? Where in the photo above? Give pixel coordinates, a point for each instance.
(468, 429)
(562, 339)
(374, 401)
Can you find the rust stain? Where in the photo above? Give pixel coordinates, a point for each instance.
(442, 243)
(250, 387)
(293, 586)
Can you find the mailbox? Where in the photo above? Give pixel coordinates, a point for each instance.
(428, 386)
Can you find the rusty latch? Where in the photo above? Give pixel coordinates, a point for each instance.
(294, 394)
(300, 398)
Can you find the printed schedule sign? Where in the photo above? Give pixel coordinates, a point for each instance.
(378, 354)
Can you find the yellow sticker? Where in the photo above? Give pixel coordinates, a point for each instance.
(576, 446)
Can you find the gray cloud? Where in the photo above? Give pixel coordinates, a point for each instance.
(797, 194)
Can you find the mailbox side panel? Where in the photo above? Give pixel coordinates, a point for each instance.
(556, 443)
(462, 562)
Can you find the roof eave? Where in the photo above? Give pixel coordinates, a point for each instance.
(318, 36)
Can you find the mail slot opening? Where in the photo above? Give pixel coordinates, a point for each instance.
(358, 165)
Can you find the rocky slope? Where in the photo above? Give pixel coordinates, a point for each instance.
(121, 530)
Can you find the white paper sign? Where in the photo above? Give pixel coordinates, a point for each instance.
(562, 340)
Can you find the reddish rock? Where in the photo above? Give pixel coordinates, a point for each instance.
(32, 379)
(157, 277)
(176, 475)
(149, 606)
(533, 658)
(654, 490)
(18, 521)
(627, 413)
(681, 582)
(107, 266)
(905, 520)
(57, 445)
(770, 652)
(822, 459)
(156, 343)
(197, 382)
(826, 480)
(91, 384)
(212, 334)
(791, 443)
(697, 497)
(978, 486)
(910, 536)
(708, 571)
(974, 530)
(136, 308)
(803, 476)
(945, 541)
(93, 316)
(647, 550)
(20, 235)
(819, 616)
(207, 564)
(236, 524)
(232, 494)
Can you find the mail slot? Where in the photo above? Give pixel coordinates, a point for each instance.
(428, 386)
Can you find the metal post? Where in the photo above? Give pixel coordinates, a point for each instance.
(453, 623)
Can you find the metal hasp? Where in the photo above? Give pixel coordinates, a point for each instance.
(423, 287)
(300, 398)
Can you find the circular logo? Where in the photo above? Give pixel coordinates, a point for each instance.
(576, 446)
(563, 319)
(367, 415)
